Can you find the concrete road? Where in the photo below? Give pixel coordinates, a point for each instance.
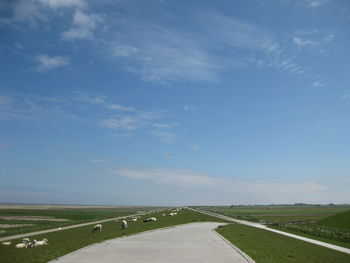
(194, 242)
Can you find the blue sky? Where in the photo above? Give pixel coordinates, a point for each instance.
(174, 102)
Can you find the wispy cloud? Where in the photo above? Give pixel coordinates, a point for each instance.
(165, 137)
(83, 26)
(303, 42)
(121, 123)
(177, 177)
(62, 3)
(316, 3)
(191, 107)
(47, 63)
(194, 147)
(317, 84)
(218, 189)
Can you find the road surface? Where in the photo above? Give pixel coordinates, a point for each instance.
(194, 242)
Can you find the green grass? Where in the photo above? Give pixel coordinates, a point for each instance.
(341, 220)
(64, 242)
(268, 247)
(327, 240)
(74, 216)
(279, 213)
(312, 221)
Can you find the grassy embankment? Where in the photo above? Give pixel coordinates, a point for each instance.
(69, 215)
(64, 242)
(322, 223)
(268, 247)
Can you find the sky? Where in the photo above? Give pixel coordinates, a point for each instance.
(174, 102)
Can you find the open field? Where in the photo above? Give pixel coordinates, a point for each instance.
(267, 247)
(325, 223)
(24, 219)
(63, 242)
(341, 220)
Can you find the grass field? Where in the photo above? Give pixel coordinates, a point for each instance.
(341, 220)
(328, 223)
(267, 247)
(33, 218)
(64, 242)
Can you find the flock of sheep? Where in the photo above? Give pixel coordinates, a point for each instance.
(26, 243)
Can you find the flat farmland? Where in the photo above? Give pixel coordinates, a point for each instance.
(328, 223)
(23, 219)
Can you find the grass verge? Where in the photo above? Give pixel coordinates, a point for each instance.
(268, 247)
(64, 242)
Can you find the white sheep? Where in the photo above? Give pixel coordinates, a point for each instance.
(6, 243)
(40, 243)
(26, 240)
(21, 245)
(151, 219)
(163, 214)
(97, 227)
(124, 224)
(59, 229)
(133, 219)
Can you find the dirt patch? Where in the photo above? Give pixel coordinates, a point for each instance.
(13, 225)
(34, 218)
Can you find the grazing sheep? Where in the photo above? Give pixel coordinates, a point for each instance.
(97, 227)
(133, 219)
(21, 245)
(163, 214)
(124, 224)
(26, 240)
(151, 219)
(40, 243)
(59, 229)
(31, 244)
(6, 243)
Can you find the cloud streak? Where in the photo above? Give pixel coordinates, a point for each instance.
(217, 189)
(47, 63)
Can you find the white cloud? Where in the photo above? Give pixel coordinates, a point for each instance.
(241, 34)
(62, 3)
(91, 99)
(123, 50)
(121, 123)
(47, 62)
(176, 177)
(205, 189)
(191, 107)
(316, 3)
(165, 125)
(34, 11)
(317, 84)
(344, 97)
(194, 147)
(118, 107)
(83, 26)
(301, 42)
(165, 137)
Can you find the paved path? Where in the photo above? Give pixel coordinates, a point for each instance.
(194, 242)
(69, 227)
(261, 226)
